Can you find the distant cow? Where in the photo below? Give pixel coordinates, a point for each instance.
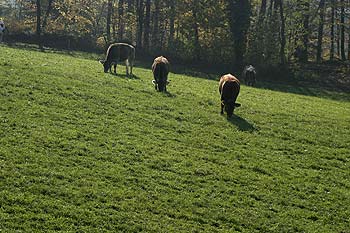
(2, 30)
(119, 52)
(249, 75)
(229, 87)
(160, 69)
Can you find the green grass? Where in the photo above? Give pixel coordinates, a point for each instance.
(85, 151)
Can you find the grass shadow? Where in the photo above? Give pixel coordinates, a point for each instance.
(125, 76)
(241, 123)
(195, 71)
(330, 84)
(168, 94)
(327, 81)
(165, 93)
(338, 94)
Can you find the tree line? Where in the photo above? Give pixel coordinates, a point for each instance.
(261, 32)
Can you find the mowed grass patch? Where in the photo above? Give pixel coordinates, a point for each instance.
(81, 150)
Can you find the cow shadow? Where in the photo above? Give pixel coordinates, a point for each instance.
(241, 123)
(169, 94)
(133, 76)
(165, 93)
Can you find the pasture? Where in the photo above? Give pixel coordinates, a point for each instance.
(85, 151)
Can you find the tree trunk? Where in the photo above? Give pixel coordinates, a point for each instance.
(140, 16)
(338, 32)
(306, 16)
(20, 10)
(331, 55)
(239, 14)
(155, 34)
(320, 31)
(262, 9)
(349, 44)
(172, 22)
(98, 19)
(38, 23)
(113, 22)
(342, 30)
(147, 25)
(349, 40)
(108, 23)
(195, 10)
(48, 11)
(270, 8)
(129, 33)
(282, 32)
(120, 20)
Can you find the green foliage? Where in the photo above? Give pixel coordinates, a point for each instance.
(217, 33)
(85, 151)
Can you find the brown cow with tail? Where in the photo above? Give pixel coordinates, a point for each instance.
(160, 69)
(229, 87)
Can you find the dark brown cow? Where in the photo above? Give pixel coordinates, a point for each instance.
(229, 87)
(160, 69)
(119, 52)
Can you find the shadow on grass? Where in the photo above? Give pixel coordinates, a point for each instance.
(168, 94)
(195, 71)
(337, 94)
(165, 93)
(125, 76)
(333, 88)
(242, 124)
(72, 53)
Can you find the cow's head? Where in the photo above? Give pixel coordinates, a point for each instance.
(160, 85)
(229, 106)
(106, 66)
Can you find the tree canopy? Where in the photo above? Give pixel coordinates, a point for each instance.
(230, 32)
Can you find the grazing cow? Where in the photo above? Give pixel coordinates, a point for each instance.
(160, 69)
(229, 87)
(249, 74)
(2, 30)
(119, 52)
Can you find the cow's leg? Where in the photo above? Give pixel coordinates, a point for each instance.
(127, 66)
(115, 68)
(222, 108)
(131, 65)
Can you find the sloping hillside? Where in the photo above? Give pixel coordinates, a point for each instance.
(85, 151)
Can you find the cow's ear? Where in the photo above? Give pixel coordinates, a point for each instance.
(237, 105)
(102, 62)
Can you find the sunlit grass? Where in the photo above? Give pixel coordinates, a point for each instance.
(85, 151)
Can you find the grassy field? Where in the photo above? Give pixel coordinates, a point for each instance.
(85, 151)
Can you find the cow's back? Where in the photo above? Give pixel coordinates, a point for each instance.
(229, 87)
(118, 52)
(160, 68)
